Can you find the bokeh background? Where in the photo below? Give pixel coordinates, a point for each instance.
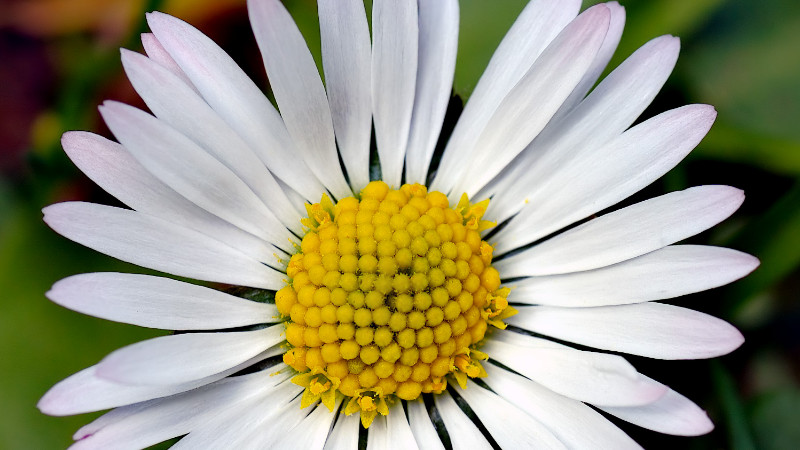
(59, 59)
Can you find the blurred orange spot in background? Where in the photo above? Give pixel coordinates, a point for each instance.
(110, 19)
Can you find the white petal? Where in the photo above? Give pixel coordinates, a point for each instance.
(298, 91)
(181, 358)
(144, 424)
(610, 109)
(561, 415)
(438, 43)
(192, 172)
(85, 392)
(596, 378)
(265, 432)
(601, 59)
(394, 71)
(114, 169)
(422, 426)
(671, 414)
(118, 415)
(463, 433)
(346, 60)
(509, 426)
(391, 431)
(236, 99)
(156, 244)
(534, 29)
(654, 330)
(627, 233)
(159, 54)
(183, 109)
(535, 98)
(666, 273)
(620, 168)
(297, 200)
(157, 302)
(344, 435)
(263, 417)
(311, 432)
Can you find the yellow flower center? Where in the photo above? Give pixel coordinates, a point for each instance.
(389, 292)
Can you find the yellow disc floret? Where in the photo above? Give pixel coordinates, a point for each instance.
(388, 296)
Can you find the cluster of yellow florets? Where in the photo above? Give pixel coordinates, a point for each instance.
(388, 294)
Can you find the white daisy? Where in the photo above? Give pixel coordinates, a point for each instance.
(368, 309)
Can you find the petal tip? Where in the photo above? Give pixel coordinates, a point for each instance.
(752, 262)
(68, 138)
(49, 210)
(51, 404)
(704, 426)
(599, 12)
(737, 339)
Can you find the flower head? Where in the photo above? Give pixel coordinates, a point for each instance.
(379, 292)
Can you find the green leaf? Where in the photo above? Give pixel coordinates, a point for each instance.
(739, 435)
(774, 418)
(482, 26)
(40, 341)
(730, 142)
(775, 239)
(747, 67)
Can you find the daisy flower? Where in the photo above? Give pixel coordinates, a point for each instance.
(426, 291)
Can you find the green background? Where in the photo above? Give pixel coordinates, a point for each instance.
(742, 56)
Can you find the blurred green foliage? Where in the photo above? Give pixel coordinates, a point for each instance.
(739, 55)
(41, 342)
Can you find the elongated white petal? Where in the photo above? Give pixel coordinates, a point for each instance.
(297, 200)
(166, 153)
(311, 432)
(561, 415)
(159, 54)
(298, 91)
(670, 272)
(157, 302)
(601, 59)
(85, 392)
(145, 424)
(346, 60)
(236, 99)
(610, 109)
(422, 426)
(509, 426)
(114, 169)
(534, 29)
(266, 432)
(671, 414)
(395, 39)
(628, 232)
(183, 109)
(156, 244)
(646, 329)
(344, 435)
(181, 358)
(153, 422)
(438, 43)
(535, 98)
(464, 435)
(596, 378)
(261, 417)
(620, 168)
(391, 432)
